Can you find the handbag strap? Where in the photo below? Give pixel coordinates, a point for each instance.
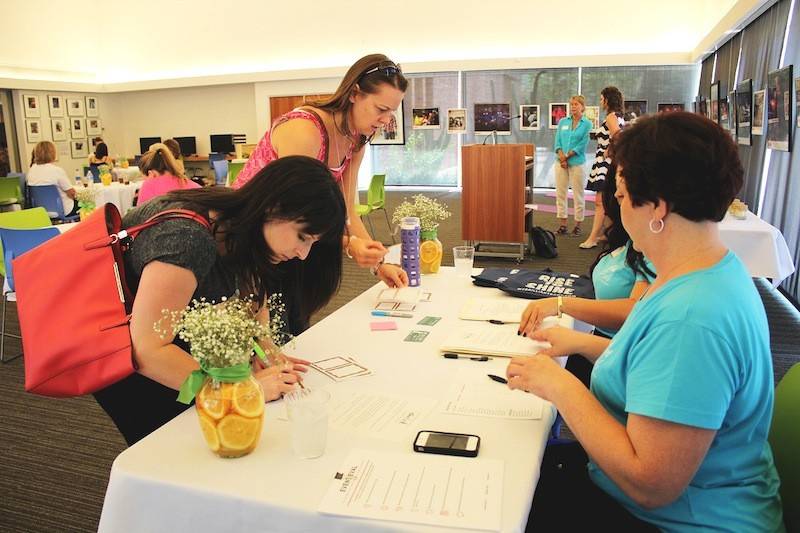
(126, 236)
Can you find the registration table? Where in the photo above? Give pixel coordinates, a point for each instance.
(760, 246)
(170, 481)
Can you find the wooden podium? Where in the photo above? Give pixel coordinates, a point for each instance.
(497, 183)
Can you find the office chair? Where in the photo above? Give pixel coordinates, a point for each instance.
(25, 219)
(220, 171)
(15, 243)
(376, 199)
(23, 187)
(10, 192)
(49, 197)
(784, 437)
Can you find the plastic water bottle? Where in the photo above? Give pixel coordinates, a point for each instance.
(77, 176)
(89, 178)
(409, 249)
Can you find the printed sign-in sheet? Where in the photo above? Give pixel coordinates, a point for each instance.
(440, 490)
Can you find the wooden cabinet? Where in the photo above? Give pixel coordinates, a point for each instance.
(279, 105)
(497, 183)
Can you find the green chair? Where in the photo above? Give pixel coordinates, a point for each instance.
(25, 219)
(10, 191)
(376, 199)
(233, 170)
(784, 437)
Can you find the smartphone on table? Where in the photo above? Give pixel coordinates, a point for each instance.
(447, 443)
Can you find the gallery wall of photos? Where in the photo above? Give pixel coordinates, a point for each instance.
(70, 121)
(421, 145)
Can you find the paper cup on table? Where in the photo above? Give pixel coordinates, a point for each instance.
(308, 415)
(462, 260)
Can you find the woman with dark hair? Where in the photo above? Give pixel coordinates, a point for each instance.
(335, 131)
(612, 102)
(620, 275)
(100, 156)
(675, 425)
(280, 233)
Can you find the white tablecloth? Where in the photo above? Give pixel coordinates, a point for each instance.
(760, 246)
(117, 193)
(131, 173)
(170, 481)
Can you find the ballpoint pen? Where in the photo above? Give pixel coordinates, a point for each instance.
(392, 313)
(450, 355)
(498, 379)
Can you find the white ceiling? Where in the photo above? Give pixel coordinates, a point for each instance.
(114, 42)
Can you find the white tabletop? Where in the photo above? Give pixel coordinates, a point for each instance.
(760, 246)
(119, 194)
(170, 481)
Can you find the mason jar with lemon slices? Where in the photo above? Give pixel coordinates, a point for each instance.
(430, 252)
(231, 415)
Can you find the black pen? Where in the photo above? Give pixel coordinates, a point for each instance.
(493, 321)
(450, 355)
(497, 378)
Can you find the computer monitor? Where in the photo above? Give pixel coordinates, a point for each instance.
(188, 145)
(222, 144)
(145, 142)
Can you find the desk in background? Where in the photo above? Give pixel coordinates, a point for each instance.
(170, 481)
(760, 246)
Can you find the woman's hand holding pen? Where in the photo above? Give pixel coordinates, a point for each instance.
(535, 313)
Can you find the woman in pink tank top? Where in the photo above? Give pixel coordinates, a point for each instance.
(335, 131)
(164, 173)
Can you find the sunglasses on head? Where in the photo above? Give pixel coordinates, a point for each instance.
(386, 70)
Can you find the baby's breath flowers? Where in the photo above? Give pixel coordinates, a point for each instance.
(85, 197)
(429, 211)
(222, 335)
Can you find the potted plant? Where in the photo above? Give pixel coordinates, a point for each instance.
(430, 213)
(86, 201)
(222, 337)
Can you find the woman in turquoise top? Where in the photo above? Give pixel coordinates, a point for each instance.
(675, 425)
(572, 136)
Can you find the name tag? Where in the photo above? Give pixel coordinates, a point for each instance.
(564, 127)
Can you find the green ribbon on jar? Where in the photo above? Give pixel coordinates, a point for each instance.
(428, 235)
(228, 374)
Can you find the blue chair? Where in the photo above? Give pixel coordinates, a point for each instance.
(49, 197)
(15, 243)
(221, 172)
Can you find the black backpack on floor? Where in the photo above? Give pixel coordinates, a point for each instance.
(544, 242)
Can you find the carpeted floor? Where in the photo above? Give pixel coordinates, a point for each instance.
(55, 455)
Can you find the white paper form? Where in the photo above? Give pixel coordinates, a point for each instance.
(491, 339)
(414, 487)
(493, 400)
(507, 310)
(377, 415)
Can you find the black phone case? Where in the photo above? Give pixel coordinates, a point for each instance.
(447, 451)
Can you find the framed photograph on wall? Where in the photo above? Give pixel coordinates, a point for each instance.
(75, 107)
(758, 112)
(714, 101)
(77, 128)
(669, 108)
(59, 128)
(92, 107)
(592, 113)
(731, 112)
(702, 106)
(744, 106)
(56, 105)
(492, 118)
(723, 112)
(30, 102)
(425, 118)
(393, 132)
(33, 130)
(797, 100)
(528, 117)
(557, 112)
(79, 148)
(779, 109)
(456, 121)
(93, 126)
(634, 109)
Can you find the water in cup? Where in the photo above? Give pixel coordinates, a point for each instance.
(308, 416)
(462, 260)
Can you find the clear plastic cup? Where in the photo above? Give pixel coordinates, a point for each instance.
(308, 416)
(463, 257)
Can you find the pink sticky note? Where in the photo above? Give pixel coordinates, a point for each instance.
(384, 325)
